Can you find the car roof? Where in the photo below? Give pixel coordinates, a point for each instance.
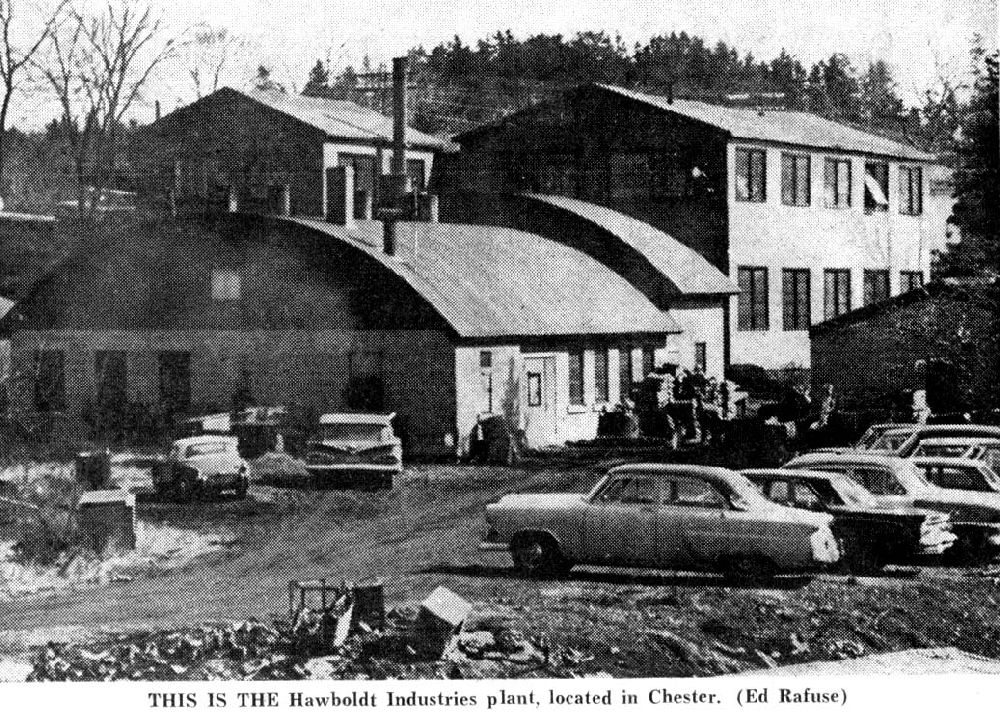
(951, 462)
(876, 458)
(685, 470)
(960, 430)
(782, 472)
(354, 418)
(200, 439)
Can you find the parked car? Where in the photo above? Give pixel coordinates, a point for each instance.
(904, 440)
(986, 448)
(660, 516)
(355, 450)
(201, 466)
(870, 535)
(971, 475)
(898, 482)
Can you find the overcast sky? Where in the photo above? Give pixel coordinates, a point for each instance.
(919, 38)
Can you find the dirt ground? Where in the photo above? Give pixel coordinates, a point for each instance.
(425, 533)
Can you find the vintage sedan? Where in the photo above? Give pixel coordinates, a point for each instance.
(660, 516)
(904, 440)
(356, 450)
(971, 475)
(870, 535)
(898, 482)
(202, 466)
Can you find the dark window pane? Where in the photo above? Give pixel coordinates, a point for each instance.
(625, 371)
(601, 374)
(175, 380)
(50, 380)
(701, 356)
(110, 367)
(910, 280)
(576, 377)
(876, 286)
(750, 175)
(648, 356)
(752, 307)
(836, 292)
(796, 299)
(876, 186)
(795, 179)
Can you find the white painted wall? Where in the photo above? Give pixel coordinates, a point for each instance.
(701, 323)
(776, 236)
(333, 150)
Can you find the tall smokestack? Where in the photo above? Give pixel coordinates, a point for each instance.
(157, 110)
(399, 117)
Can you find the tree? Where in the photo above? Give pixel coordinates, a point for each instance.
(265, 82)
(880, 105)
(207, 55)
(976, 212)
(318, 82)
(98, 65)
(18, 49)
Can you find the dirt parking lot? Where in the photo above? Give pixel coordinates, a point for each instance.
(425, 533)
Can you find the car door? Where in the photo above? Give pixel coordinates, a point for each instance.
(620, 527)
(699, 515)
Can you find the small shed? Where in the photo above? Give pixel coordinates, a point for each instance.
(107, 516)
(942, 338)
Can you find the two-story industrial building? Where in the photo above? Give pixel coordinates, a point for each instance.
(809, 217)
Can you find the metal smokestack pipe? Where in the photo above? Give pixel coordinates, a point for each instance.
(398, 122)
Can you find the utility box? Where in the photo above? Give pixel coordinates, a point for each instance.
(93, 469)
(441, 616)
(107, 517)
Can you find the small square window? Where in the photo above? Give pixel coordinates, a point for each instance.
(485, 358)
(226, 285)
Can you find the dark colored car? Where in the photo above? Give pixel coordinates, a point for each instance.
(870, 535)
(201, 466)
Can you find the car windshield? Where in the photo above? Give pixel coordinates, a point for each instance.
(872, 439)
(951, 476)
(358, 432)
(202, 449)
(851, 492)
(890, 441)
(935, 449)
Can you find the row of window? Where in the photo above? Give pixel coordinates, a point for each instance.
(753, 310)
(796, 179)
(111, 378)
(625, 371)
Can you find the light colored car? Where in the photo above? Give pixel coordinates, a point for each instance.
(871, 535)
(897, 481)
(660, 516)
(355, 450)
(971, 475)
(201, 466)
(903, 440)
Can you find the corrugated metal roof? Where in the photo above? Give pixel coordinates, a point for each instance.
(781, 126)
(684, 267)
(342, 119)
(487, 281)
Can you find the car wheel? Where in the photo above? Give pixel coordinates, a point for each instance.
(537, 556)
(184, 491)
(969, 550)
(863, 561)
(749, 569)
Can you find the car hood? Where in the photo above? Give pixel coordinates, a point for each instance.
(214, 464)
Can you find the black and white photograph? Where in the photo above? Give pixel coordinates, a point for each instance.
(498, 341)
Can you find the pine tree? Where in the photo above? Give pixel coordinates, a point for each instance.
(319, 81)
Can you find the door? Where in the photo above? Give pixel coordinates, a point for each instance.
(541, 427)
(620, 528)
(700, 512)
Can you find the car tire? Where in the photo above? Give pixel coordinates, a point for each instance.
(863, 562)
(536, 556)
(969, 550)
(748, 569)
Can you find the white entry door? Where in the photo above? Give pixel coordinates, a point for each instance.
(541, 427)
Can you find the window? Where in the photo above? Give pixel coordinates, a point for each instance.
(878, 481)
(576, 377)
(485, 358)
(175, 380)
(701, 357)
(629, 490)
(911, 194)
(805, 497)
(648, 359)
(960, 477)
(910, 280)
(751, 175)
(534, 389)
(625, 371)
(876, 186)
(225, 285)
(795, 179)
(837, 183)
(111, 372)
(876, 286)
(796, 296)
(836, 292)
(601, 378)
(752, 313)
(415, 170)
(779, 492)
(365, 174)
(50, 381)
(694, 492)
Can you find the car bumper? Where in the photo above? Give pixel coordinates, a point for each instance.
(340, 468)
(493, 546)
(824, 547)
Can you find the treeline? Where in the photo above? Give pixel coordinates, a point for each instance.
(458, 85)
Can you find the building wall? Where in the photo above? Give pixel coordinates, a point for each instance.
(701, 322)
(776, 236)
(887, 352)
(306, 368)
(506, 380)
